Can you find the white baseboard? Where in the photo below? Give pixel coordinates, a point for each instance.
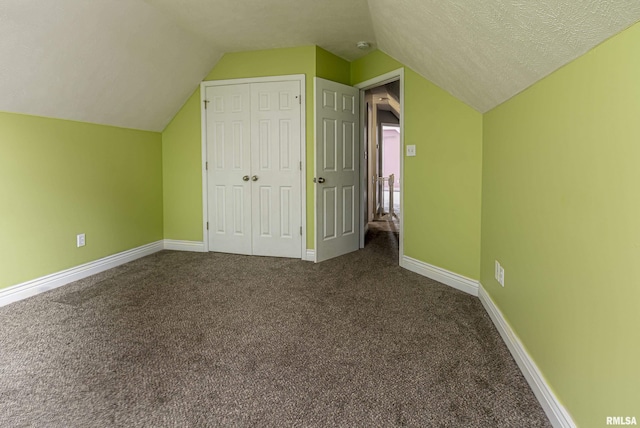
(176, 245)
(55, 280)
(557, 414)
(444, 276)
(310, 255)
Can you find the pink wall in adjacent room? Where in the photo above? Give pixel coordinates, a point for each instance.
(391, 154)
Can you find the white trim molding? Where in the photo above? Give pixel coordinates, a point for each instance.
(310, 255)
(392, 76)
(444, 276)
(557, 414)
(58, 279)
(177, 245)
(383, 79)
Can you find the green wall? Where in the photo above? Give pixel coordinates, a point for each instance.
(182, 173)
(182, 144)
(561, 212)
(331, 67)
(442, 199)
(60, 178)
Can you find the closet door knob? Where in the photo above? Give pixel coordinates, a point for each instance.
(254, 178)
(245, 178)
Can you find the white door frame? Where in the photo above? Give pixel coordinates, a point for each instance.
(301, 78)
(368, 84)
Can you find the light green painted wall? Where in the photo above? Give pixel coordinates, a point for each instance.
(561, 212)
(182, 145)
(182, 173)
(442, 199)
(372, 65)
(60, 178)
(331, 67)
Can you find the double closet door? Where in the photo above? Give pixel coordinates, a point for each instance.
(254, 168)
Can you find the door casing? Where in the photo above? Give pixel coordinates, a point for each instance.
(301, 78)
(368, 84)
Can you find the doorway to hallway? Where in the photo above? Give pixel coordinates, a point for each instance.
(383, 158)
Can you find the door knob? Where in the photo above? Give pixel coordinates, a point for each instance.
(319, 180)
(245, 178)
(254, 178)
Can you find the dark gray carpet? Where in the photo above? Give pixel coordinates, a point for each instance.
(184, 339)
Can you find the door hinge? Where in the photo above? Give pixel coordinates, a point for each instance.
(206, 166)
(300, 165)
(300, 230)
(300, 99)
(205, 103)
(207, 225)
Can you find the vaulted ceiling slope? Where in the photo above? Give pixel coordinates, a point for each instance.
(485, 52)
(133, 63)
(242, 25)
(121, 63)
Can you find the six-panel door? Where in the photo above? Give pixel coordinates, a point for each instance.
(337, 169)
(275, 167)
(253, 150)
(229, 159)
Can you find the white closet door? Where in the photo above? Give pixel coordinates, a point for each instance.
(228, 126)
(275, 169)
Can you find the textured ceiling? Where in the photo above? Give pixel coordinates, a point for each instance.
(121, 63)
(133, 63)
(485, 52)
(241, 25)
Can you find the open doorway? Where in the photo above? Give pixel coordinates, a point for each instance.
(383, 157)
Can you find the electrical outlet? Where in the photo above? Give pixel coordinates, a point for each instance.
(501, 276)
(80, 240)
(411, 150)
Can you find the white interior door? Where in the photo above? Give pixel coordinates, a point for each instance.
(276, 169)
(228, 122)
(337, 169)
(253, 146)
